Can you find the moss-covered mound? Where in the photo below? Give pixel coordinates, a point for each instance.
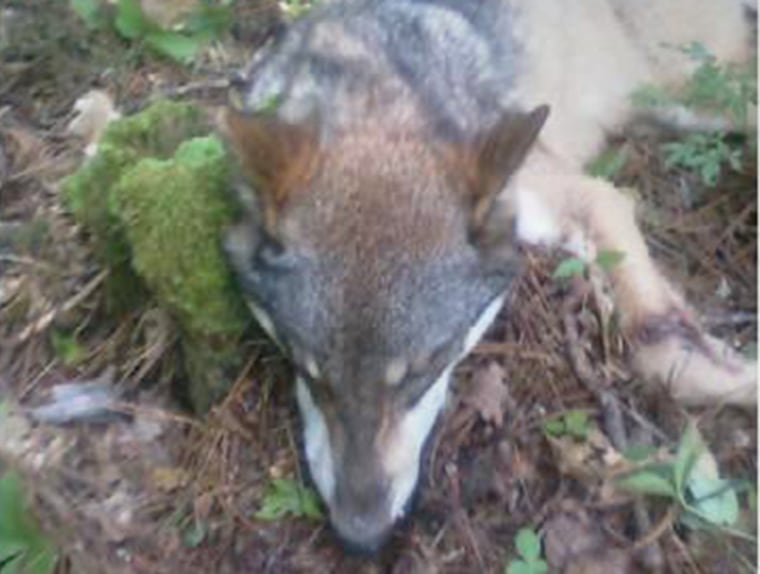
(155, 198)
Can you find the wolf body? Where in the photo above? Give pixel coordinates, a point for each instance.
(394, 152)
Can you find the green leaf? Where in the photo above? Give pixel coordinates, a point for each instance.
(130, 21)
(9, 549)
(569, 267)
(193, 535)
(639, 452)
(689, 449)
(286, 496)
(715, 500)
(608, 164)
(178, 47)
(209, 22)
(608, 259)
(89, 12)
(528, 544)
(67, 348)
(18, 528)
(554, 426)
(654, 479)
(650, 96)
(12, 567)
(519, 567)
(526, 567)
(576, 423)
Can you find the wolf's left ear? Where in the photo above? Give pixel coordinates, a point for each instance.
(497, 155)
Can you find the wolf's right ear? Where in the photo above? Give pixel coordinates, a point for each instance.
(275, 156)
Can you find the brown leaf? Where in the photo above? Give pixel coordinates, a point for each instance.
(168, 478)
(489, 393)
(22, 147)
(590, 460)
(574, 544)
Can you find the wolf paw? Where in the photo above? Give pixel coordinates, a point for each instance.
(697, 368)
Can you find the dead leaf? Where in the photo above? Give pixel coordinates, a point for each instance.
(202, 506)
(23, 148)
(613, 561)
(489, 394)
(168, 478)
(574, 544)
(95, 110)
(590, 460)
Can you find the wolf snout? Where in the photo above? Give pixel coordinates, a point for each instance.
(362, 532)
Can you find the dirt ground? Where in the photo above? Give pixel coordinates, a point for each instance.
(158, 490)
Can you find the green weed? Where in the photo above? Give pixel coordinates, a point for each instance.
(723, 90)
(180, 43)
(24, 549)
(286, 496)
(528, 547)
(690, 479)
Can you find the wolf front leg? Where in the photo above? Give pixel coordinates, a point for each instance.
(557, 205)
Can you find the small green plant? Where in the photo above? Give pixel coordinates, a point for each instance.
(286, 496)
(704, 154)
(572, 423)
(608, 164)
(24, 549)
(689, 478)
(725, 90)
(180, 43)
(67, 348)
(606, 259)
(528, 546)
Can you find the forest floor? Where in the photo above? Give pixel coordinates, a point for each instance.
(159, 490)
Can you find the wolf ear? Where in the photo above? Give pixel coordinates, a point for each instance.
(275, 156)
(498, 154)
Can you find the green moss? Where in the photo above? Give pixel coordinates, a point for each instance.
(173, 212)
(154, 132)
(155, 198)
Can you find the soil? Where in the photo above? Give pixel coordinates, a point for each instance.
(157, 490)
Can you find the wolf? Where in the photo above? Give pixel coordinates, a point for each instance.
(393, 156)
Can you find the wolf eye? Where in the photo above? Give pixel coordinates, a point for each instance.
(271, 255)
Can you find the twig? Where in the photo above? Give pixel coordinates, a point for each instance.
(614, 425)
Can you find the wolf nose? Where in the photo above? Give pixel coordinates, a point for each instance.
(362, 534)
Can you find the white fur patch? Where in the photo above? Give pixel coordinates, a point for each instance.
(262, 318)
(317, 442)
(481, 325)
(535, 222)
(402, 455)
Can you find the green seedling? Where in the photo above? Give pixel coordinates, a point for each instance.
(689, 478)
(606, 259)
(285, 497)
(24, 549)
(180, 43)
(572, 423)
(528, 547)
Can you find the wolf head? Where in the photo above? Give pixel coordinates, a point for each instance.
(376, 260)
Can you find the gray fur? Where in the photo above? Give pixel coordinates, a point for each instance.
(375, 261)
